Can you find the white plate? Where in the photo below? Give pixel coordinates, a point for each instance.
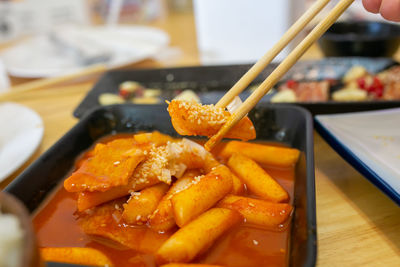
(21, 131)
(370, 141)
(39, 57)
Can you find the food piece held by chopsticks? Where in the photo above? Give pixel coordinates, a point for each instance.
(190, 118)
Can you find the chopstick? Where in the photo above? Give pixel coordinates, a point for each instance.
(41, 83)
(263, 62)
(277, 74)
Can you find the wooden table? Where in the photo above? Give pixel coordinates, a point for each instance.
(357, 224)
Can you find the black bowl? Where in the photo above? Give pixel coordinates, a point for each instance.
(361, 38)
(279, 123)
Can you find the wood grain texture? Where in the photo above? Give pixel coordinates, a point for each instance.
(53, 81)
(357, 224)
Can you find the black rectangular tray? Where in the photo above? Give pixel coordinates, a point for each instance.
(211, 82)
(282, 123)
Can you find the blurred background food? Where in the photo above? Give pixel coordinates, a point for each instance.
(357, 84)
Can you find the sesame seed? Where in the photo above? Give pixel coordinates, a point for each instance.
(89, 211)
(199, 114)
(165, 161)
(197, 179)
(255, 242)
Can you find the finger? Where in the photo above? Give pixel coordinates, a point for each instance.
(372, 6)
(390, 10)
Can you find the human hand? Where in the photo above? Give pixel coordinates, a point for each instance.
(389, 9)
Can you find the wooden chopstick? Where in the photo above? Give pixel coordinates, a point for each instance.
(277, 74)
(263, 62)
(42, 83)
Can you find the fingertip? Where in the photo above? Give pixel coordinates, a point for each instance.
(372, 6)
(390, 10)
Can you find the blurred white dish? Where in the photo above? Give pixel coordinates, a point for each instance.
(21, 133)
(4, 80)
(41, 57)
(370, 141)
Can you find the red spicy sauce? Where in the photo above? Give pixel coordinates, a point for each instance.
(56, 226)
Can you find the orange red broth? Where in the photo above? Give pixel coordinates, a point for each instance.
(56, 226)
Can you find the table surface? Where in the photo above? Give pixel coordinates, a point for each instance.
(357, 224)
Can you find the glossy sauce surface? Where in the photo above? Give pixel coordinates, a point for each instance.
(57, 226)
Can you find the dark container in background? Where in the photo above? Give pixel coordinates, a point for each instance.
(361, 39)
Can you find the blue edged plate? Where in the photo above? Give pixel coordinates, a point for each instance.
(370, 142)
